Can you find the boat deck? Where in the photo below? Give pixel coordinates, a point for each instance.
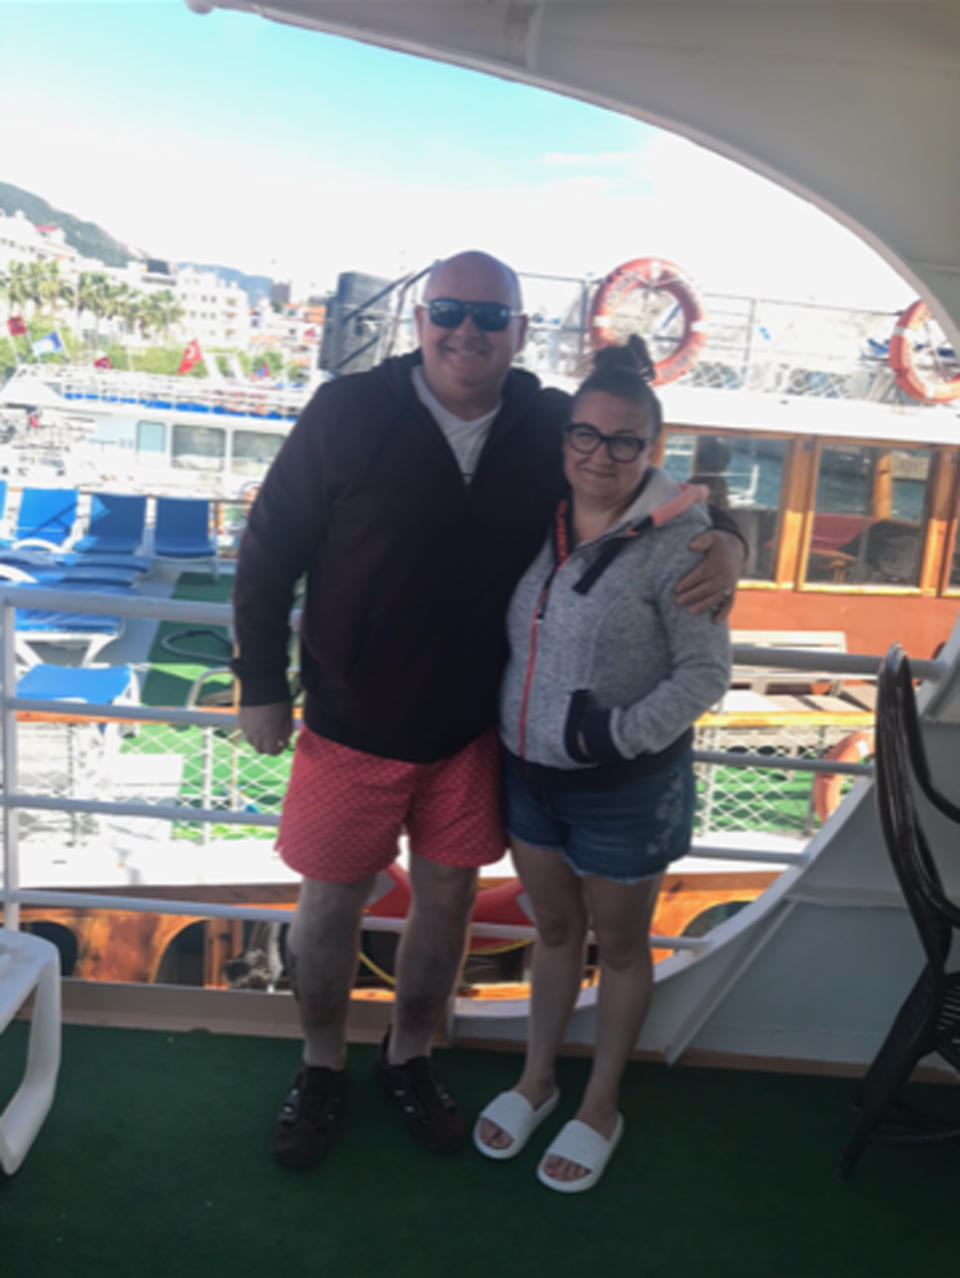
(153, 1163)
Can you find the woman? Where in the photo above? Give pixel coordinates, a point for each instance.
(606, 676)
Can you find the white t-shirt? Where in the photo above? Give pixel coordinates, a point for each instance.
(465, 438)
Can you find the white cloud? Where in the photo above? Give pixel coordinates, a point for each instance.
(185, 198)
(593, 160)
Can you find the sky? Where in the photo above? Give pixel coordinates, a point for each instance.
(227, 139)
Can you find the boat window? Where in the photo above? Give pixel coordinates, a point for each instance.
(743, 475)
(253, 451)
(151, 437)
(198, 448)
(869, 515)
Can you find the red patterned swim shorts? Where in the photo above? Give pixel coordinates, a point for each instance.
(344, 809)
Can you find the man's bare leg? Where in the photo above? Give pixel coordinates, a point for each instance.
(430, 954)
(322, 948)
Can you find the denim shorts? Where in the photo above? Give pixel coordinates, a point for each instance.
(626, 833)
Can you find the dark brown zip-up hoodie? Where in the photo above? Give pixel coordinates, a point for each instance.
(409, 570)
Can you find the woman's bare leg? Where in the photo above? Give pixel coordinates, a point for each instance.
(621, 917)
(556, 897)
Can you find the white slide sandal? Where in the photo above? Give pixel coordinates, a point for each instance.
(514, 1115)
(580, 1144)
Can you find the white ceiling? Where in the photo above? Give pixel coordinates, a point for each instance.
(853, 105)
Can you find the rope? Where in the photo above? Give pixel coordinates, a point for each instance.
(392, 981)
(377, 971)
(504, 949)
(169, 644)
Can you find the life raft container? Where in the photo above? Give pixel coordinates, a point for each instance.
(929, 388)
(505, 903)
(855, 748)
(651, 273)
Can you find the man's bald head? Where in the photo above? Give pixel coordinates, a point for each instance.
(464, 365)
(476, 276)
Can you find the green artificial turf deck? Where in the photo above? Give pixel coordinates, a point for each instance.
(153, 1162)
(170, 676)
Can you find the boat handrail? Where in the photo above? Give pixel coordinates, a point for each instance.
(13, 896)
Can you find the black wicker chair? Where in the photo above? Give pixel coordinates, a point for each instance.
(929, 1020)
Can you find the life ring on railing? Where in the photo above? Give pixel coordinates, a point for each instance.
(390, 899)
(855, 748)
(651, 274)
(903, 360)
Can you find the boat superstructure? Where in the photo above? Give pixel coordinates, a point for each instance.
(141, 432)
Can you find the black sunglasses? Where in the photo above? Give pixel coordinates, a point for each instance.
(489, 317)
(586, 439)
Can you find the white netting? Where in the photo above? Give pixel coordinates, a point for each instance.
(213, 768)
(766, 800)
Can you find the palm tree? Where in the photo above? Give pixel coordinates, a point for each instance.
(169, 310)
(152, 313)
(130, 306)
(36, 283)
(18, 293)
(91, 296)
(20, 289)
(54, 289)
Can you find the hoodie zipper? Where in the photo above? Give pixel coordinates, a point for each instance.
(689, 493)
(561, 547)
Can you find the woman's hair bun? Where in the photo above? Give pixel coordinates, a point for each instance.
(632, 357)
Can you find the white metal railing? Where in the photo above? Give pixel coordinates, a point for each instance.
(199, 614)
(80, 384)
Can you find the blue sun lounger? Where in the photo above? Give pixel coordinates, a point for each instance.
(114, 534)
(115, 526)
(46, 518)
(88, 631)
(182, 531)
(102, 685)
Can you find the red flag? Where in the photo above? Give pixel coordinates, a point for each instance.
(191, 355)
(309, 332)
(16, 326)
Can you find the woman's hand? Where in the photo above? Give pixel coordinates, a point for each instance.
(712, 584)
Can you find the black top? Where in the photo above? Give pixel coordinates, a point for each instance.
(409, 570)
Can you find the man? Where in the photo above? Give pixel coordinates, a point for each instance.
(413, 497)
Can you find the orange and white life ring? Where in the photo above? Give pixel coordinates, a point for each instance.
(856, 748)
(903, 361)
(505, 903)
(651, 274)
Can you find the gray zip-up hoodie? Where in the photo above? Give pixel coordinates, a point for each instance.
(599, 650)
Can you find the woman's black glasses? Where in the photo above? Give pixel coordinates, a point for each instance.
(586, 439)
(489, 317)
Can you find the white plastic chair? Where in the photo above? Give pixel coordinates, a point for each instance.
(29, 964)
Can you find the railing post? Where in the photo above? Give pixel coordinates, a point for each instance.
(11, 817)
(207, 797)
